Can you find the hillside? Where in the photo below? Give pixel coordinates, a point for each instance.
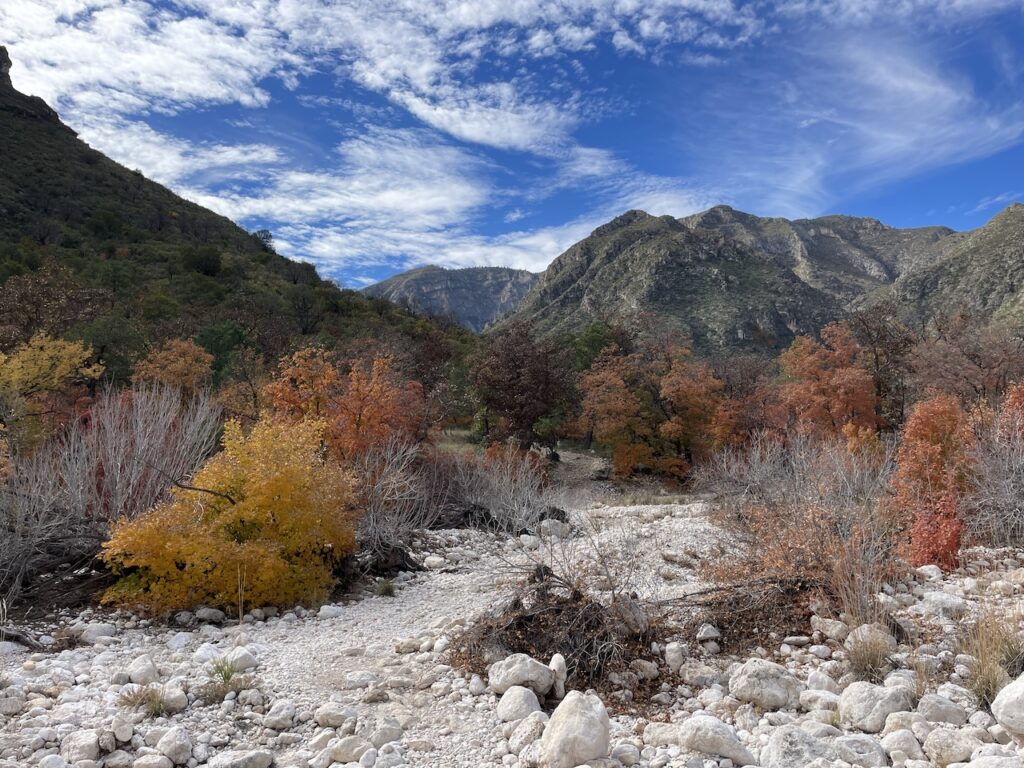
(146, 264)
(473, 297)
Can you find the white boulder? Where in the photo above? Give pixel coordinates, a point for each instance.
(578, 731)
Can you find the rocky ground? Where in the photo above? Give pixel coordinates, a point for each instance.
(366, 682)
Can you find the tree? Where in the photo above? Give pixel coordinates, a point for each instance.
(885, 345)
(39, 383)
(362, 409)
(971, 360)
(264, 522)
(521, 381)
(827, 387)
(932, 475)
(654, 407)
(177, 363)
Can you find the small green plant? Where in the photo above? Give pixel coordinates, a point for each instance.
(148, 699)
(223, 670)
(385, 588)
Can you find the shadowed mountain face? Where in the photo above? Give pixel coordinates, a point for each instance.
(736, 281)
(472, 297)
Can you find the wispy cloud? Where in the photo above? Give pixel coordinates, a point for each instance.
(996, 201)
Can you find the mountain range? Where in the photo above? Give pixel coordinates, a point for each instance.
(474, 297)
(732, 280)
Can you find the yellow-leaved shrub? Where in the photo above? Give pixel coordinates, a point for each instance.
(262, 523)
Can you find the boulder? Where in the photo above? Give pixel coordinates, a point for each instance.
(859, 749)
(281, 716)
(259, 758)
(865, 706)
(792, 747)
(152, 761)
(577, 732)
(95, 631)
(333, 715)
(350, 749)
(944, 746)
(1008, 709)
(176, 745)
(527, 731)
(80, 745)
(903, 741)
(939, 709)
(873, 634)
(516, 703)
(558, 668)
(240, 658)
(520, 669)
(143, 671)
(707, 734)
(765, 684)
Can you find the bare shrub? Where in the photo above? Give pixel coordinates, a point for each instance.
(400, 494)
(996, 644)
(994, 501)
(800, 519)
(57, 503)
(506, 487)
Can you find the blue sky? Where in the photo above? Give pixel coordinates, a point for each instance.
(375, 135)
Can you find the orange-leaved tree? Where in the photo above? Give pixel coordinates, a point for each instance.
(362, 408)
(263, 522)
(179, 363)
(827, 387)
(654, 407)
(931, 476)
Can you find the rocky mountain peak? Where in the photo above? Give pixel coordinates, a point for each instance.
(5, 69)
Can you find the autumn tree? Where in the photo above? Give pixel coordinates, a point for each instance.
(970, 359)
(178, 363)
(263, 522)
(362, 408)
(931, 477)
(39, 384)
(654, 407)
(522, 382)
(826, 386)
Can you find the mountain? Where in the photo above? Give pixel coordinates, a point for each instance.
(130, 263)
(735, 281)
(473, 297)
(981, 271)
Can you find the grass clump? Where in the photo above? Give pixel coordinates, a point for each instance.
(224, 679)
(148, 699)
(869, 658)
(996, 644)
(385, 588)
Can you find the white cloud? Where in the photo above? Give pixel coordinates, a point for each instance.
(995, 201)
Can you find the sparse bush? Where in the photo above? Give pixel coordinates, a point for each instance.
(57, 502)
(505, 490)
(385, 588)
(801, 518)
(996, 644)
(263, 522)
(994, 502)
(400, 492)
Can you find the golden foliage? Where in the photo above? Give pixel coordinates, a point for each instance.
(263, 522)
(39, 381)
(178, 363)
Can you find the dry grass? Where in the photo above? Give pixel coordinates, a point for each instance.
(869, 658)
(385, 588)
(995, 642)
(148, 699)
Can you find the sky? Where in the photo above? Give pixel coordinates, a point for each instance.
(372, 136)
